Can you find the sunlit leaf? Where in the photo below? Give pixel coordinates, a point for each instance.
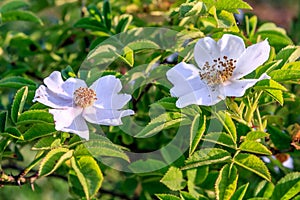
(105, 148)
(254, 147)
(253, 164)
(18, 103)
(240, 192)
(53, 160)
(226, 183)
(255, 135)
(173, 179)
(162, 122)
(220, 138)
(207, 156)
(35, 116)
(86, 176)
(287, 187)
(197, 130)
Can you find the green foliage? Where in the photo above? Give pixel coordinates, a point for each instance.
(227, 182)
(173, 179)
(220, 152)
(254, 164)
(287, 187)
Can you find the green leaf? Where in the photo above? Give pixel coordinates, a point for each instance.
(167, 197)
(54, 159)
(173, 179)
(3, 118)
(86, 172)
(127, 56)
(14, 133)
(198, 175)
(35, 116)
(187, 196)
(191, 9)
(142, 45)
(220, 139)
(123, 23)
(20, 15)
(231, 5)
(90, 23)
(255, 135)
(269, 84)
(280, 139)
(264, 189)
(277, 95)
(292, 65)
(169, 103)
(285, 74)
(254, 147)
(288, 54)
(226, 182)
(266, 68)
(148, 165)
(47, 143)
(104, 147)
(206, 156)
(240, 192)
(17, 82)
(287, 187)
(197, 129)
(18, 103)
(39, 130)
(107, 14)
(276, 36)
(13, 5)
(228, 124)
(162, 122)
(94, 12)
(253, 164)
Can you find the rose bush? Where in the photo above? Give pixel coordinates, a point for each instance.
(147, 100)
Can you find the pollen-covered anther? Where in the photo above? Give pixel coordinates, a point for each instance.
(84, 97)
(219, 72)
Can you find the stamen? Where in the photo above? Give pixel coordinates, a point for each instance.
(222, 73)
(84, 97)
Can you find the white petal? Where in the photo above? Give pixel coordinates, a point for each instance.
(253, 57)
(72, 84)
(205, 96)
(105, 116)
(70, 120)
(237, 88)
(231, 46)
(64, 117)
(54, 82)
(206, 50)
(107, 89)
(51, 99)
(185, 78)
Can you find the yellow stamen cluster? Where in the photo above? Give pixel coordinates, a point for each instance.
(219, 72)
(84, 97)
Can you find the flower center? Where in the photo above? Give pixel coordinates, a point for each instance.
(219, 72)
(84, 97)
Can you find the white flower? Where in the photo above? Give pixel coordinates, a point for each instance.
(220, 66)
(74, 103)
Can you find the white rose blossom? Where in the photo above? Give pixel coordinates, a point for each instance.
(74, 103)
(220, 66)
